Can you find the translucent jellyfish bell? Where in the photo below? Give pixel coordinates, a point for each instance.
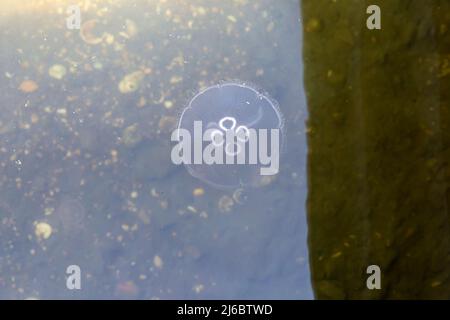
(228, 107)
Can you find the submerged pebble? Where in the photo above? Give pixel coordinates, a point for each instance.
(28, 86)
(57, 71)
(131, 82)
(43, 230)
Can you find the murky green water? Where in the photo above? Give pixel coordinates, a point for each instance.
(378, 147)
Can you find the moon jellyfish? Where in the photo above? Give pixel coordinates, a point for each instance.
(237, 124)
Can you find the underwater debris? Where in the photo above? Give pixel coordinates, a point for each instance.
(43, 230)
(131, 29)
(131, 136)
(131, 82)
(225, 204)
(28, 86)
(158, 262)
(86, 32)
(57, 71)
